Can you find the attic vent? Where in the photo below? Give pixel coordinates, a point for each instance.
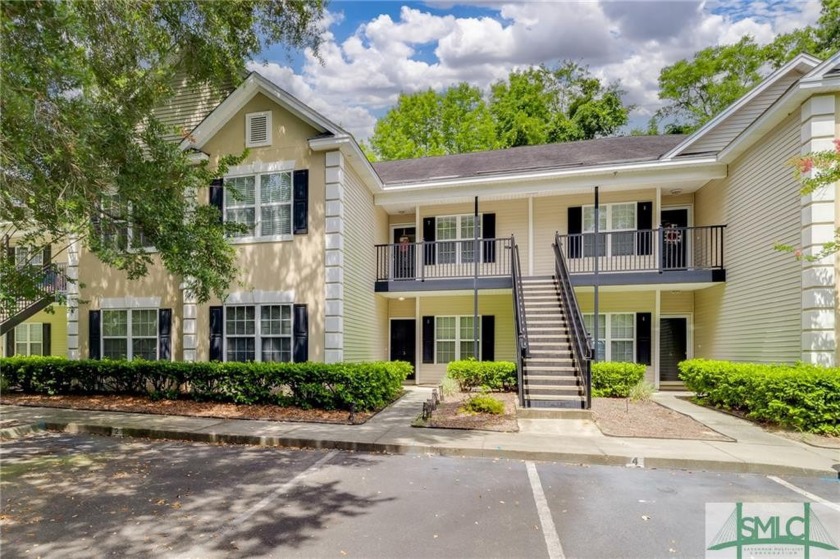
(258, 129)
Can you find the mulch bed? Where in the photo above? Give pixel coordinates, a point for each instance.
(619, 417)
(141, 404)
(447, 416)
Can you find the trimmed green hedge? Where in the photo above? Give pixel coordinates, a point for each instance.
(368, 386)
(615, 379)
(492, 375)
(801, 397)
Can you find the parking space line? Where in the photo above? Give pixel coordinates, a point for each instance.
(552, 540)
(808, 494)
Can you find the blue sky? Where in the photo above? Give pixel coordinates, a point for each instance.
(374, 50)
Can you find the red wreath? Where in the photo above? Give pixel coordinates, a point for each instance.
(673, 235)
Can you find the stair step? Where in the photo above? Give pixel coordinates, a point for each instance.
(545, 397)
(554, 393)
(533, 362)
(576, 403)
(552, 380)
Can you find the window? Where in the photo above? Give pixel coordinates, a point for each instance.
(117, 230)
(613, 218)
(457, 228)
(266, 339)
(268, 196)
(258, 129)
(130, 334)
(29, 339)
(454, 338)
(616, 336)
(25, 257)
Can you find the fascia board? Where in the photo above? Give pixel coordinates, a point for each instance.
(354, 154)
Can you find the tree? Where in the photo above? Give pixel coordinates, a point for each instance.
(542, 105)
(80, 81)
(426, 123)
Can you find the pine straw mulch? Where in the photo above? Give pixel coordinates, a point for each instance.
(448, 416)
(620, 417)
(142, 404)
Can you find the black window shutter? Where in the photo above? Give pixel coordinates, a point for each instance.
(217, 196)
(488, 231)
(301, 202)
(575, 228)
(643, 352)
(428, 339)
(94, 334)
(301, 334)
(47, 254)
(165, 334)
(644, 221)
(217, 333)
(10, 343)
(488, 338)
(429, 237)
(46, 339)
(10, 254)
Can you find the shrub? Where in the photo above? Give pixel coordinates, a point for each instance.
(802, 397)
(366, 386)
(614, 380)
(484, 403)
(492, 375)
(641, 391)
(449, 386)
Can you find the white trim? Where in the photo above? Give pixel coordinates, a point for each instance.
(530, 235)
(124, 303)
(249, 117)
(257, 297)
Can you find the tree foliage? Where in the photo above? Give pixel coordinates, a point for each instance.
(696, 90)
(533, 106)
(80, 81)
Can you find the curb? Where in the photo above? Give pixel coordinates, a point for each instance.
(12, 433)
(415, 449)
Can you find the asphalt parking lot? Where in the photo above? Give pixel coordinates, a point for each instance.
(85, 496)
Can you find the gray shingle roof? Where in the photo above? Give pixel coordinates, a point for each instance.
(586, 153)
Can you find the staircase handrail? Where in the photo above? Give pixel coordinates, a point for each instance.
(522, 344)
(581, 342)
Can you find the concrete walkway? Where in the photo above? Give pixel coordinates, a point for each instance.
(563, 440)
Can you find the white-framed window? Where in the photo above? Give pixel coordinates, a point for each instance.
(29, 339)
(258, 129)
(616, 336)
(461, 231)
(117, 230)
(130, 334)
(258, 333)
(262, 202)
(613, 219)
(454, 338)
(24, 256)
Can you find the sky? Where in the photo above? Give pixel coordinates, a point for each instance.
(374, 50)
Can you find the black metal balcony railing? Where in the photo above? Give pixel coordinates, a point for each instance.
(443, 259)
(50, 281)
(652, 250)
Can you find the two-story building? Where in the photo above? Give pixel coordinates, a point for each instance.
(442, 258)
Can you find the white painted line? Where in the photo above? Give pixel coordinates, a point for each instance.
(279, 491)
(808, 494)
(552, 540)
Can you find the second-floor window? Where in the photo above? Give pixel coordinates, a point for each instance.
(619, 220)
(261, 202)
(130, 334)
(117, 229)
(456, 238)
(26, 257)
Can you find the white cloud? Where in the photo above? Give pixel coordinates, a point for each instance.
(362, 74)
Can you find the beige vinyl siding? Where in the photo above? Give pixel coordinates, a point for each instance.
(726, 131)
(189, 105)
(500, 306)
(681, 302)
(755, 315)
(551, 215)
(617, 301)
(365, 312)
(401, 309)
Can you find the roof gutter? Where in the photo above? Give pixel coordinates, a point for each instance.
(355, 156)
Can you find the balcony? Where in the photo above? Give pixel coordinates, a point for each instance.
(655, 256)
(444, 265)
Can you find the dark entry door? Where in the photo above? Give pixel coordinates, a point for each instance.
(673, 347)
(403, 341)
(404, 255)
(674, 239)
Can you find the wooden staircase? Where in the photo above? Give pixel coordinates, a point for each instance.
(550, 377)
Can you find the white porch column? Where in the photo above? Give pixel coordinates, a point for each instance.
(655, 337)
(73, 300)
(334, 258)
(819, 293)
(189, 325)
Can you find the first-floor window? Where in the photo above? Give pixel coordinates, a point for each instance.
(616, 336)
(130, 334)
(258, 333)
(455, 338)
(29, 339)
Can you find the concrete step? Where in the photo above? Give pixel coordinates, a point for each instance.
(570, 402)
